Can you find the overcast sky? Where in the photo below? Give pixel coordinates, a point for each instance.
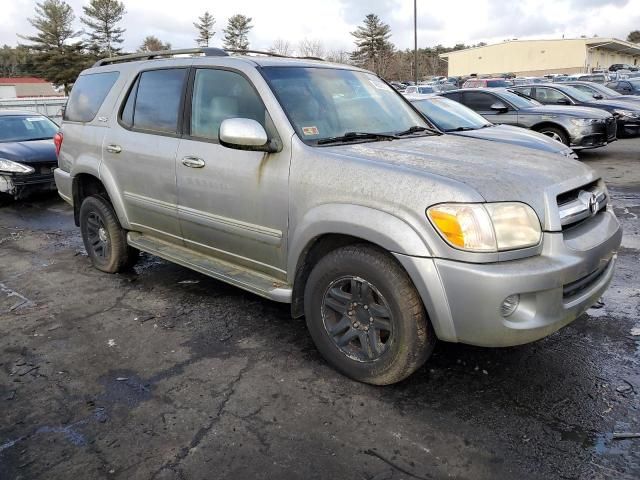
(439, 21)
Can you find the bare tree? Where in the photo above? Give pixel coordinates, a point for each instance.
(281, 47)
(338, 56)
(310, 48)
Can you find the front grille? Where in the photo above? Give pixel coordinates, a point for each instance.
(575, 288)
(581, 204)
(43, 174)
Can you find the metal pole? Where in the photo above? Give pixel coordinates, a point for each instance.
(415, 39)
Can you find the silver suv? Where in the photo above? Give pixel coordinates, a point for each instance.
(319, 185)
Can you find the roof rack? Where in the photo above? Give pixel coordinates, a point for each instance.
(207, 52)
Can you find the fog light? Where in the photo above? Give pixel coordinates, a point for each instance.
(509, 305)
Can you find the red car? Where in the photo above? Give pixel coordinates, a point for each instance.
(486, 83)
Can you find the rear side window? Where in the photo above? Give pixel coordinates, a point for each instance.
(153, 103)
(87, 96)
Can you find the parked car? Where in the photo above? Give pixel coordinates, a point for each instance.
(622, 66)
(627, 113)
(626, 87)
(27, 153)
(486, 83)
(576, 127)
(529, 80)
(602, 92)
(321, 186)
(421, 89)
(454, 118)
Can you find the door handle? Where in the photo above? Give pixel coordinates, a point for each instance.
(114, 148)
(193, 162)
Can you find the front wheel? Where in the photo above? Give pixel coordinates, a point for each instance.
(104, 238)
(366, 317)
(556, 134)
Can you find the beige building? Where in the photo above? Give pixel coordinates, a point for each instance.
(537, 57)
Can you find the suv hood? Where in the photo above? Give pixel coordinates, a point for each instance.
(30, 152)
(569, 111)
(498, 172)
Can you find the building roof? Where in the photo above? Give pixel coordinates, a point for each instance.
(614, 44)
(20, 80)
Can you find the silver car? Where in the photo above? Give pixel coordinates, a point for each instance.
(320, 186)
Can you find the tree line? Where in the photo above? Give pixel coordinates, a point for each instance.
(58, 53)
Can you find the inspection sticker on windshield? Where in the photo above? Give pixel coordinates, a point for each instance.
(309, 131)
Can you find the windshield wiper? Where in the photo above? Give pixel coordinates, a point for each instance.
(350, 136)
(417, 129)
(461, 129)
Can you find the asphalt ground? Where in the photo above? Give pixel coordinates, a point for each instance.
(163, 373)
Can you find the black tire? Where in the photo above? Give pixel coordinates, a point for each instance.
(405, 339)
(104, 238)
(556, 134)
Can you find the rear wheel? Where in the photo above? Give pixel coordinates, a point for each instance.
(555, 133)
(104, 238)
(366, 317)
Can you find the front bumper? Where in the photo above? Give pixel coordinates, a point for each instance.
(20, 186)
(463, 299)
(593, 136)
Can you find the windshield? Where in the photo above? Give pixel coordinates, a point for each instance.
(24, 128)
(635, 83)
(449, 115)
(519, 100)
(426, 89)
(324, 103)
(577, 94)
(595, 89)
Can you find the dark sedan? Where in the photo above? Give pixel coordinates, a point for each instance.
(627, 113)
(576, 127)
(629, 86)
(27, 153)
(600, 92)
(456, 119)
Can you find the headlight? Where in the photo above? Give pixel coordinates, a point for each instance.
(9, 166)
(626, 113)
(583, 122)
(486, 227)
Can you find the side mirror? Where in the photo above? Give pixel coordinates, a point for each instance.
(563, 101)
(597, 96)
(245, 134)
(499, 107)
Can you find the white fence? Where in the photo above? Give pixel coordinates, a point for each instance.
(49, 106)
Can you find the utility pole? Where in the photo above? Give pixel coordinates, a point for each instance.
(415, 40)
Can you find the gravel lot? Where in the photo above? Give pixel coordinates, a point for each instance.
(166, 374)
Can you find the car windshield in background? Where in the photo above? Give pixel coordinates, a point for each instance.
(324, 103)
(635, 82)
(450, 116)
(519, 100)
(497, 83)
(24, 128)
(577, 94)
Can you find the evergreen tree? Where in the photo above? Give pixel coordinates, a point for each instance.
(102, 18)
(204, 26)
(373, 49)
(235, 35)
(153, 44)
(56, 60)
(634, 37)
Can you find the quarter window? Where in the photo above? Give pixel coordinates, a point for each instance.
(153, 103)
(87, 96)
(219, 95)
